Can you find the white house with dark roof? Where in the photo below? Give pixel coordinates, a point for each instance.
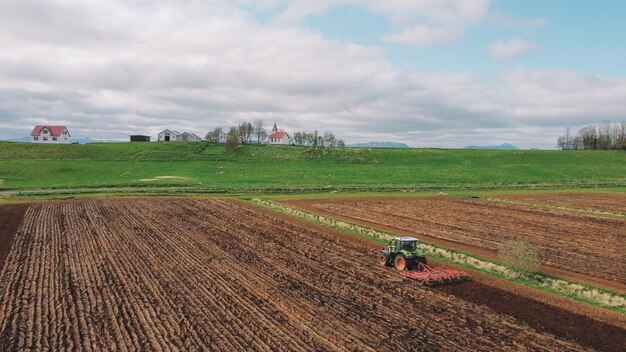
(42, 134)
(279, 137)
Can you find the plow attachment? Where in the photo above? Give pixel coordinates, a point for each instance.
(430, 276)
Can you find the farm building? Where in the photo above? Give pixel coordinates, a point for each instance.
(279, 136)
(168, 136)
(188, 137)
(175, 136)
(50, 135)
(139, 138)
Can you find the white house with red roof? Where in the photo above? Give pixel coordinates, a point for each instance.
(50, 135)
(279, 136)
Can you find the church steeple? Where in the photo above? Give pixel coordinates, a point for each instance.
(274, 128)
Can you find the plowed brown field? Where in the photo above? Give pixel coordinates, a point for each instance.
(10, 220)
(609, 202)
(214, 275)
(587, 245)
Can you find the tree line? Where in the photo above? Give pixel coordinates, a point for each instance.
(316, 140)
(255, 132)
(244, 133)
(604, 136)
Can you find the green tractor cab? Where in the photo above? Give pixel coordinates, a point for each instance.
(402, 253)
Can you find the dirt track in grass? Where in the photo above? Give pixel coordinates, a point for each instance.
(168, 274)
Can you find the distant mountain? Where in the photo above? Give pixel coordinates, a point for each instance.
(18, 140)
(378, 145)
(505, 146)
(85, 140)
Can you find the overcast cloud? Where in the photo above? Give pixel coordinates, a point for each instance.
(112, 68)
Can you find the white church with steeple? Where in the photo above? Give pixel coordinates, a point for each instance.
(279, 136)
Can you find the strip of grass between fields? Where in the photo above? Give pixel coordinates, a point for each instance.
(603, 298)
(184, 188)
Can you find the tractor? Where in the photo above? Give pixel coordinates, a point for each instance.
(402, 253)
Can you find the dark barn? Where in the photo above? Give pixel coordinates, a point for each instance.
(139, 138)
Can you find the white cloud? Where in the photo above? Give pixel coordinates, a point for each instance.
(417, 22)
(456, 12)
(136, 67)
(428, 23)
(500, 51)
(422, 35)
(400, 11)
(501, 19)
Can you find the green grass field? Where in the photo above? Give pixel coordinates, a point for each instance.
(279, 169)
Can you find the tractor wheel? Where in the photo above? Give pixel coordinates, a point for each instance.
(399, 262)
(382, 259)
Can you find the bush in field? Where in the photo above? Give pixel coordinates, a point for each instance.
(520, 256)
(232, 139)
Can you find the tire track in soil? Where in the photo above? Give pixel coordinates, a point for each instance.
(210, 274)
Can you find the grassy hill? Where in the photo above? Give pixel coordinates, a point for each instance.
(279, 168)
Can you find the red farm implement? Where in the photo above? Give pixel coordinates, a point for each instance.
(430, 276)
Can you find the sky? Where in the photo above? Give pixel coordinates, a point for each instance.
(429, 73)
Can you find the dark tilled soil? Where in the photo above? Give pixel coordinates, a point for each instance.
(340, 300)
(542, 317)
(10, 220)
(215, 275)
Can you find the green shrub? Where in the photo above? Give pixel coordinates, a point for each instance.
(520, 256)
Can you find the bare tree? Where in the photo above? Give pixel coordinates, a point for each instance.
(259, 131)
(615, 133)
(589, 137)
(245, 131)
(309, 138)
(313, 140)
(577, 143)
(605, 136)
(565, 142)
(298, 138)
(561, 142)
(232, 139)
(621, 136)
(330, 140)
(216, 135)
